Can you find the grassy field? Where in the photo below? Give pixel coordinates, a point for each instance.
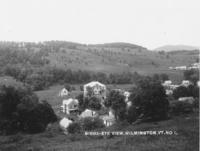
(187, 138)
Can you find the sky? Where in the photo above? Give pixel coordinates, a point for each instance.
(149, 23)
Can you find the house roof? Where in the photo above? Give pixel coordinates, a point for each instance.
(93, 83)
(87, 113)
(70, 100)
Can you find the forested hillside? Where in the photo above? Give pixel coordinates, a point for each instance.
(45, 63)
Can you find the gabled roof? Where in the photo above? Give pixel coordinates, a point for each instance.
(93, 83)
(70, 100)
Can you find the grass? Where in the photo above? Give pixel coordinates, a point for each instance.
(187, 127)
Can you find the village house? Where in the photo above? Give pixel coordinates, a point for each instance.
(63, 93)
(69, 106)
(167, 83)
(181, 68)
(186, 83)
(88, 113)
(109, 119)
(198, 83)
(189, 100)
(96, 89)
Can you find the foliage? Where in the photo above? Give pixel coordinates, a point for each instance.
(116, 101)
(68, 87)
(190, 91)
(94, 103)
(91, 123)
(20, 110)
(149, 98)
(131, 114)
(192, 75)
(74, 128)
(178, 107)
(83, 102)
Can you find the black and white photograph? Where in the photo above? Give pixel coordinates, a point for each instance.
(99, 75)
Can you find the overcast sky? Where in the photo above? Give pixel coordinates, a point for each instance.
(150, 23)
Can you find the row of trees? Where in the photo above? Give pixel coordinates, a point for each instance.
(43, 77)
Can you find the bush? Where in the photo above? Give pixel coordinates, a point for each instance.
(178, 107)
(131, 114)
(74, 128)
(150, 99)
(81, 87)
(22, 111)
(68, 87)
(90, 123)
(37, 119)
(116, 101)
(94, 103)
(196, 103)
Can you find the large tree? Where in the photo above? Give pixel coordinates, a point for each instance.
(149, 99)
(116, 101)
(21, 110)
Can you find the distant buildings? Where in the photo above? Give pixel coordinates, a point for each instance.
(193, 66)
(169, 87)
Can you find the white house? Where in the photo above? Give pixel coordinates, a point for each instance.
(167, 83)
(181, 68)
(186, 83)
(198, 83)
(64, 123)
(70, 105)
(168, 92)
(109, 119)
(64, 92)
(189, 100)
(95, 88)
(88, 113)
(127, 95)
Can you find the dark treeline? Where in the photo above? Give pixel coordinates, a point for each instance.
(42, 77)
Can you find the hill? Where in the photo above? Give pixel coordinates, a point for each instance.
(108, 58)
(168, 48)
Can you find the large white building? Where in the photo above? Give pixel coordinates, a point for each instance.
(96, 89)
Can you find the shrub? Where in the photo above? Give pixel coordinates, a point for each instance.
(68, 87)
(94, 103)
(131, 114)
(74, 128)
(81, 88)
(22, 111)
(178, 107)
(150, 99)
(116, 101)
(90, 123)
